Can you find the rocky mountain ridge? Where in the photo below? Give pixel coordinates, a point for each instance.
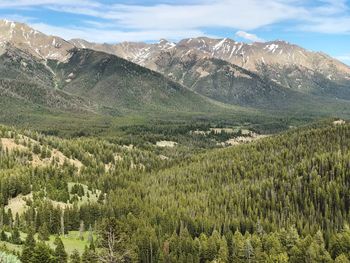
(34, 42)
(285, 64)
(273, 75)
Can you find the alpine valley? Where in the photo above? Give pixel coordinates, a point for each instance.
(201, 151)
(204, 76)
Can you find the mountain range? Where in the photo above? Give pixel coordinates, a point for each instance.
(193, 75)
(283, 63)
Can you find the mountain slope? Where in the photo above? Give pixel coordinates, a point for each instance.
(229, 83)
(45, 70)
(27, 79)
(223, 81)
(117, 83)
(286, 64)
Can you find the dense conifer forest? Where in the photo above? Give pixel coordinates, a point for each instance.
(283, 198)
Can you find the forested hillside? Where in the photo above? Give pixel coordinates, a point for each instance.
(284, 198)
(30, 81)
(121, 85)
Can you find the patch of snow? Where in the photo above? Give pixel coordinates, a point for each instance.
(271, 48)
(275, 80)
(54, 55)
(302, 53)
(219, 45)
(171, 45)
(81, 44)
(233, 50)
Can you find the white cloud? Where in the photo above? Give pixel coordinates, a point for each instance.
(19, 18)
(118, 22)
(332, 25)
(33, 3)
(245, 15)
(111, 36)
(248, 36)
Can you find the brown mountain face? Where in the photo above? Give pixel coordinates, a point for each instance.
(275, 56)
(140, 53)
(34, 42)
(248, 56)
(285, 64)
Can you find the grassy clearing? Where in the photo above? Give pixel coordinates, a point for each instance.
(18, 204)
(71, 242)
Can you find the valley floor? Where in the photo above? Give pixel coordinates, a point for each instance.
(178, 193)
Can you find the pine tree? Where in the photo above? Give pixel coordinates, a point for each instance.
(340, 243)
(16, 236)
(43, 254)
(60, 253)
(10, 217)
(248, 251)
(89, 256)
(75, 257)
(16, 223)
(43, 233)
(223, 251)
(3, 236)
(28, 248)
(238, 247)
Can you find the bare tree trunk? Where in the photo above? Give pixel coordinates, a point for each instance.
(62, 224)
(110, 253)
(81, 230)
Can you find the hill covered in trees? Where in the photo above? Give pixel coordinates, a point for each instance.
(284, 198)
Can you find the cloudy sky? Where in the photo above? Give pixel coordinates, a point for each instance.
(320, 25)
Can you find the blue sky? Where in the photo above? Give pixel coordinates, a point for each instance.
(319, 25)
